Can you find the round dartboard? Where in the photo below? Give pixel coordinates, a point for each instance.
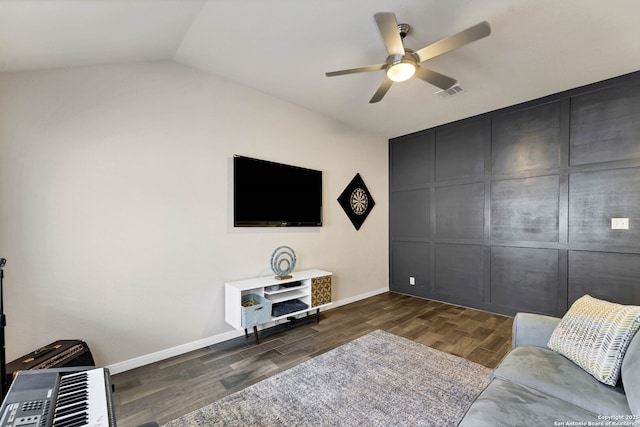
(359, 201)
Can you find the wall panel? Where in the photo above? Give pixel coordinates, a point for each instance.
(460, 211)
(525, 209)
(410, 214)
(411, 259)
(460, 150)
(521, 201)
(459, 272)
(604, 124)
(526, 140)
(525, 279)
(611, 276)
(596, 197)
(414, 153)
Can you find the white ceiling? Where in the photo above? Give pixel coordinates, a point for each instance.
(284, 47)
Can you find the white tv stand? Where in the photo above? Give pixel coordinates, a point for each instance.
(314, 290)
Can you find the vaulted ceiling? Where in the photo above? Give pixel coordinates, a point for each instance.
(284, 48)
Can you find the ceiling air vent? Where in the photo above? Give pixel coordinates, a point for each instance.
(453, 90)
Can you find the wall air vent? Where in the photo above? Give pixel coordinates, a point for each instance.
(453, 90)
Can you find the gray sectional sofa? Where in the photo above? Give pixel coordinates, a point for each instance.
(535, 386)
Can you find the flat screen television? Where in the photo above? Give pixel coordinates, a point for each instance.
(269, 194)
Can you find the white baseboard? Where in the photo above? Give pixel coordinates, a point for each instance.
(359, 297)
(137, 362)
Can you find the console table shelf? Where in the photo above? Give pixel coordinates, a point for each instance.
(269, 291)
(314, 290)
(297, 294)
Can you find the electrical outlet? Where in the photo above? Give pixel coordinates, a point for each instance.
(412, 281)
(619, 223)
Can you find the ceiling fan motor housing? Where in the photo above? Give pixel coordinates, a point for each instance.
(408, 55)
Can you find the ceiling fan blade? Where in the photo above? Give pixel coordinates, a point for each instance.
(382, 90)
(455, 41)
(356, 70)
(436, 79)
(388, 26)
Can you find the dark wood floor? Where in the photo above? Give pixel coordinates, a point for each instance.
(165, 390)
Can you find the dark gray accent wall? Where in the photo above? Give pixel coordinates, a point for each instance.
(511, 210)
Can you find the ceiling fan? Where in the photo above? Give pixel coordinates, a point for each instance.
(402, 63)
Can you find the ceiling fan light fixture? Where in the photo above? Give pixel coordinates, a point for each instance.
(401, 70)
(403, 63)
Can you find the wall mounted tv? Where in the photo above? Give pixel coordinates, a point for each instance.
(268, 194)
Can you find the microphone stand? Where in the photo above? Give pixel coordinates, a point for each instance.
(3, 323)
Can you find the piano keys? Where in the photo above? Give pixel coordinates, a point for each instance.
(62, 397)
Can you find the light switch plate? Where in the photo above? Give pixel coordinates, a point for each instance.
(619, 223)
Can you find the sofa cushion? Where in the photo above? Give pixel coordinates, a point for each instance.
(595, 334)
(504, 403)
(553, 374)
(631, 375)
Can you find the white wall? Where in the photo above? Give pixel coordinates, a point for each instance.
(115, 204)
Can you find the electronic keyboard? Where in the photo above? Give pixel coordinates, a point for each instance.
(61, 397)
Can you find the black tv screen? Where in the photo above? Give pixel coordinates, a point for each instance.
(269, 194)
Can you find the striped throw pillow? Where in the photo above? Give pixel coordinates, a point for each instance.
(595, 334)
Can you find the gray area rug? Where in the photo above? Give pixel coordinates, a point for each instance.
(379, 379)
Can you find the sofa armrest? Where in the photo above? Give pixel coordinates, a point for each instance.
(532, 329)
